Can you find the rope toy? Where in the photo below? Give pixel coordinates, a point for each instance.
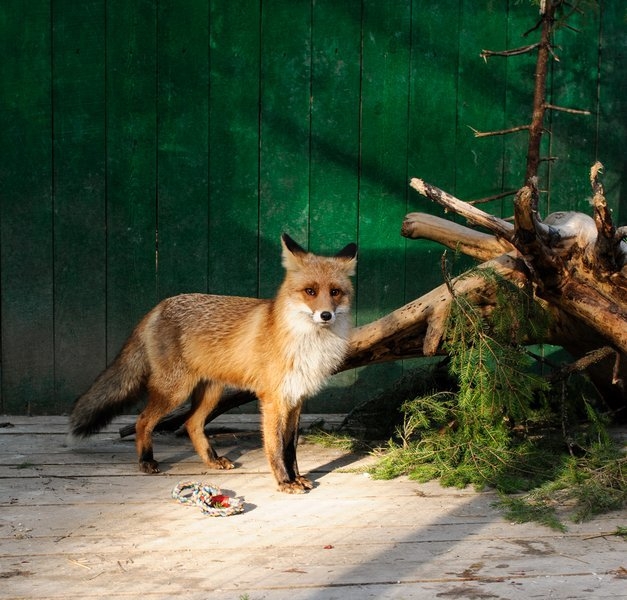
(208, 497)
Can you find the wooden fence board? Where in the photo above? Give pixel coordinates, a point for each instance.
(131, 166)
(78, 54)
(234, 96)
(432, 132)
(480, 101)
(573, 137)
(335, 111)
(285, 129)
(182, 140)
(383, 186)
(335, 114)
(26, 208)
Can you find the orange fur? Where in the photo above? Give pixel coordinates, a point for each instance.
(283, 350)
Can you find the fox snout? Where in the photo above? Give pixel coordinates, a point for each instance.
(324, 317)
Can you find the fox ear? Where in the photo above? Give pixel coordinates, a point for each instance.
(349, 251)
(291, 245)
(291, 252)
(349, 254)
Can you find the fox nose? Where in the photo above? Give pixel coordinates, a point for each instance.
(326, 315)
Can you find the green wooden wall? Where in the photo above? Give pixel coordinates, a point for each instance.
(151, 147)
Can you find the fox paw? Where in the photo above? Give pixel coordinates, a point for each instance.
(220, 462)
(307, 484)
(299, 486)
(149, 466)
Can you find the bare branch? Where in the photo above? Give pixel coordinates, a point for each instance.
(607, 247)
(480, 134)
(474, 215)
(485, 54)
(493, 198)
(573, 111)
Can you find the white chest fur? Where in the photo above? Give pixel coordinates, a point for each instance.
(314, 357)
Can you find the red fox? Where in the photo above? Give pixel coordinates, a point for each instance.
(283, 350)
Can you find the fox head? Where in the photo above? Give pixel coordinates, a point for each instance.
(318, 288)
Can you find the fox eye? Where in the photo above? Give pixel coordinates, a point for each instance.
(310, 291)
(335, 292)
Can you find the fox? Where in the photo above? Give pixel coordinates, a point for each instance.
(194, 345)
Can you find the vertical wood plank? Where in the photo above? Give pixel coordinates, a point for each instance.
(335, 107)
(79, 196)
(26, 235)
(384, 139)
(334, 185)
(182, 129)
(386, 36)
(234, 155)
(285, 129)
(131, 166)
(612, 115)
(573, 137)
(481, 100)
(432, 128)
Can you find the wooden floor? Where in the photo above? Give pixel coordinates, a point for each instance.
(81, 522)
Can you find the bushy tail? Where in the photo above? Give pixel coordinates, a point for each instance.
(115, 389)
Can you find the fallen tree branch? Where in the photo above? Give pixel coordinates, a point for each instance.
(583, 363)
(607, 249)
(478, 245)
(474, 215)
(402, 333)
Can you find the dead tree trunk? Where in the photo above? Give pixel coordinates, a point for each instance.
(576, 264)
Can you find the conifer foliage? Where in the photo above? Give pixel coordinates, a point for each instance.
(506, 426)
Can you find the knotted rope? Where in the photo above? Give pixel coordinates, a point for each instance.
(208, 497)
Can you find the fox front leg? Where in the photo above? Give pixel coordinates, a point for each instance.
(280, 431)
(290, 444)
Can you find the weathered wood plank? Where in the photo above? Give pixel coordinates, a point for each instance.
(74, 531)
(383, 190)
(56, 424)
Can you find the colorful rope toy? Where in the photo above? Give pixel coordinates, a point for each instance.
(208, 497)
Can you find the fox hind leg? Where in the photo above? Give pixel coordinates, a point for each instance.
(158, 406)
(164, 394)
(205, 398)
